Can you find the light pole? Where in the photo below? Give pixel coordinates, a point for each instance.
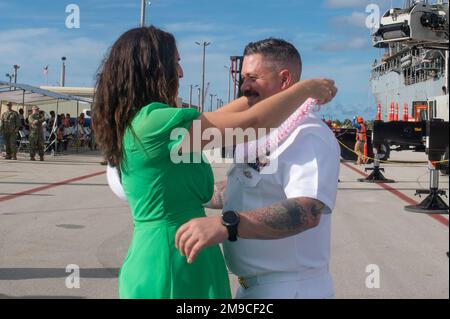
(202, 102)
(190, 93)
(16, 67)
(229, 83)
(10, 78)
(144, 4)
(199, 99)
(211, 95)
(63, 72)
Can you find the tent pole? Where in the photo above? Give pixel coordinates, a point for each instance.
(57, 128)
(76, 117)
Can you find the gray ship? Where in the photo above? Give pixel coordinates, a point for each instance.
(413, 72)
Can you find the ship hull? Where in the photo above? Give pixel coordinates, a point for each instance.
(390, 88)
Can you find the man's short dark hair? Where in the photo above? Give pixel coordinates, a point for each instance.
(277, 50)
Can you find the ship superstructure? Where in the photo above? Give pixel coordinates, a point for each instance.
(413, 69)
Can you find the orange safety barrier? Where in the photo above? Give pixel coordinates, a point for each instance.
(366, 153)
(391, 112)
(396, 112)
(379, 112)
(405, 113)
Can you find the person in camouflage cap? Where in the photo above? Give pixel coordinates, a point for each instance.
(10, 127)
(36, 136)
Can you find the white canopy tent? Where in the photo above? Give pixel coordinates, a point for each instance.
(27, 94)
(23, 94)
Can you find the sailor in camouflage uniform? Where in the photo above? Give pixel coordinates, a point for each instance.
(10, 127)
(36, 136)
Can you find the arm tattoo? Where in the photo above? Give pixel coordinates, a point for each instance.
(290, 216)
(218, 198)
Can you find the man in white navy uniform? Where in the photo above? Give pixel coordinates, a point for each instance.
(278, 224)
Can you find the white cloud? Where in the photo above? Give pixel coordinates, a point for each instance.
(342, 111)
(309, 41)
(33, 49)
(345, 3)
(21, 34)
(352, 81)
(262, 32)
(236, 30)
(118, 5)
(357, 43)
(356, 19)
(339, 4)
(3, 4)
(191, 27)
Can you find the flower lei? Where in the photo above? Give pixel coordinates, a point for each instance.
(263, 147)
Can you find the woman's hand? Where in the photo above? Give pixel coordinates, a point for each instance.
(323, 90)
(199, 233)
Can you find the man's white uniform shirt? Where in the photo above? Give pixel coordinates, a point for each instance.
(308, 166)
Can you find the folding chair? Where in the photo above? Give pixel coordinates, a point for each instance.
(24, 143)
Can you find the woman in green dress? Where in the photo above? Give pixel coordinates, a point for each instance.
(134, 116)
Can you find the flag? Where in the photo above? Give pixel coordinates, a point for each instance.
(46, 70)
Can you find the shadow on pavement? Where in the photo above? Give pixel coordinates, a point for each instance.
(41, 273)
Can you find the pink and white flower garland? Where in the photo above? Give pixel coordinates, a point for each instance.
(249, 152)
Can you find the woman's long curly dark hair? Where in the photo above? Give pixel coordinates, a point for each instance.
(140, 68)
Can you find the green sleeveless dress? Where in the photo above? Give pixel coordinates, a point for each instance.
(164, 195)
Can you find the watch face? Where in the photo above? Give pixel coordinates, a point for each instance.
(230, 217)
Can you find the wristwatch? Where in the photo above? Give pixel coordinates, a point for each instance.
(230, 220)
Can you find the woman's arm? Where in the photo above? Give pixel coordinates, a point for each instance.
(267, 114)
(238, 105)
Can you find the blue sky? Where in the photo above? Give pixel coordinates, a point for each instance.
(330, 35)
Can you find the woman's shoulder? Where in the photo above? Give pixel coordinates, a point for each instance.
(163, 109)
(159, 117)
(154, 106)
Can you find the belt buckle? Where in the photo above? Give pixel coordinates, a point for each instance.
(242, 282)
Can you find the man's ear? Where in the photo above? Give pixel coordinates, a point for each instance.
(286, 79)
